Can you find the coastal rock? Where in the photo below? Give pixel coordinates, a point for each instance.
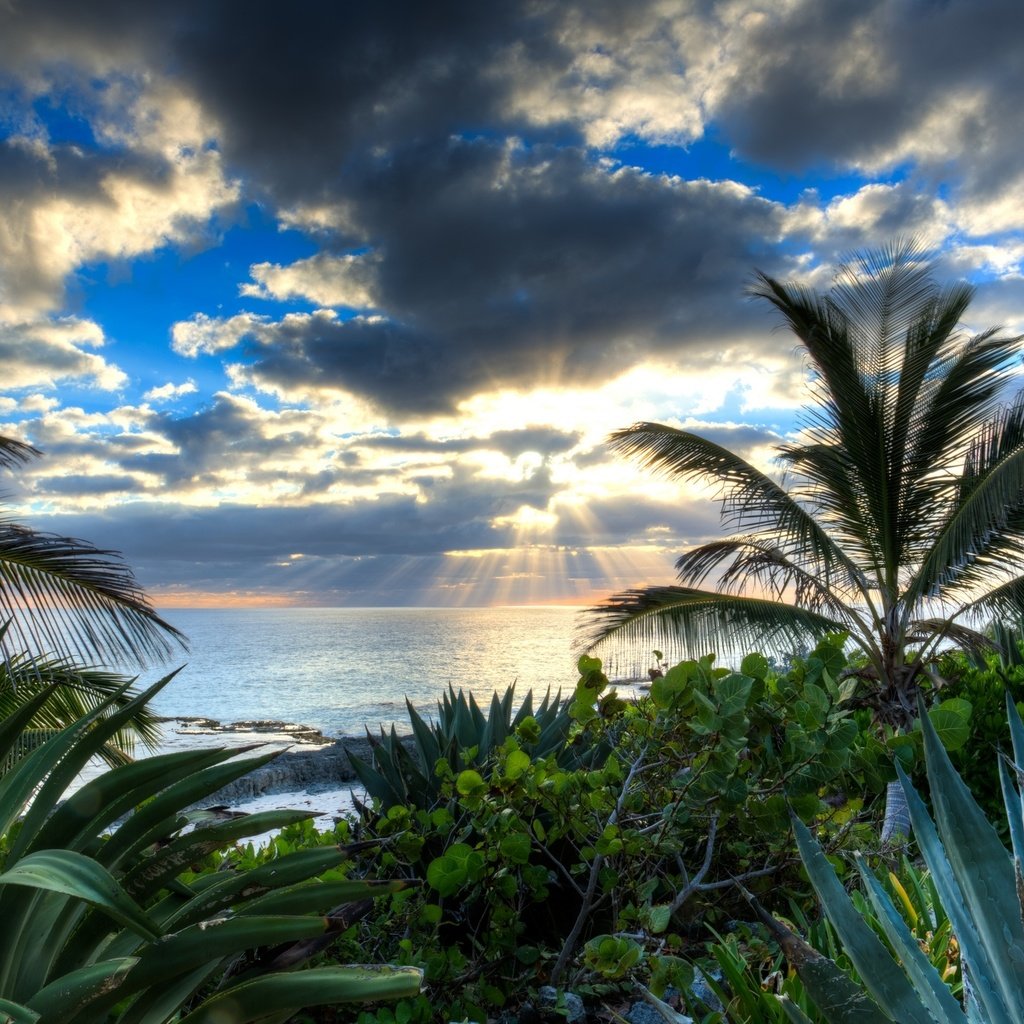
(298, 771)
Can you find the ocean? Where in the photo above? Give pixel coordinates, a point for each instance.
(342, 670)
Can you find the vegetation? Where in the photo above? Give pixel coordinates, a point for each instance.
(978, 882)
(65, 598)
(67, 607)
(462, 736)
(105, 918)
(901, 521)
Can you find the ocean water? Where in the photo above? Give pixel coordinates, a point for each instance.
(344, 669)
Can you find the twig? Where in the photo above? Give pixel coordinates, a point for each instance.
(595, 870)
(693, 885)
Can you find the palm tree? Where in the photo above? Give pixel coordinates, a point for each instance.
(899, 518)
(65, 608)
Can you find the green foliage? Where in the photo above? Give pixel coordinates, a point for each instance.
(607, 872)
(977, 882)
(65, 599)
(106, 917)
(461, 737)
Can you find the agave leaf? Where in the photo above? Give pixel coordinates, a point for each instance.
(12, 727)
(887, 984)
(1016, 729)
(983, 870)
(925, 978)
(104, 799)
(101, 729)
(320, 896)
(19, 784)
(974, 950)
(152, 821)
(373, 781)
(147, 877)
(314, 987)
(230, 887)
(15, 1013)
(157, 820)
(160, 1004)
(839, 999)
(71, 873)
(1015, 820)
(65, 997)
(209, 942)
(792, 1011)
(426, 742)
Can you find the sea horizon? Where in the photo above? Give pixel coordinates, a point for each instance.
(344, 670)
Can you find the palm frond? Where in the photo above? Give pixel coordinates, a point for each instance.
(986, 518)
(750, 498)
(67, 598)
(697, 622)
(882, 293)
(963, 394)
(755, 561)
(15, 453)
(934, 631)
(76, 692)
(1002, 602)
(849, 413)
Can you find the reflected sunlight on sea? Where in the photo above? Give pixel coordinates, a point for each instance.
(340, 669)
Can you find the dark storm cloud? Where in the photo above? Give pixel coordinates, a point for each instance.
(298, 87)
(81, 484)
(545, 440)
(505, 266)
(850, 82)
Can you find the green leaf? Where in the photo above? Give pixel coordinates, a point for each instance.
(885, 981)
(516, 848)
(73, 874)
(516, 763)
(316, 986)
(63, 998)
(952, 722)
(470, 783)
(755, 665)
(15, 1013)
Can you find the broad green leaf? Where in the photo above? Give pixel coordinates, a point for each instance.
(952, 722)
(75, 875)
(316, 986)
(885, 981)
(63, 998)
(15, 1013)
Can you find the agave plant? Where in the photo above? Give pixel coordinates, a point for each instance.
(397, 777)
(100, 925)
(981, 888)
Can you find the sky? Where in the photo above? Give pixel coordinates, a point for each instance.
(326, 303)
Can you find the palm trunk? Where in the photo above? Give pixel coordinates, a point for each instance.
(896, 825)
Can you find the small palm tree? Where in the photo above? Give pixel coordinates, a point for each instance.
(61, 596)
(900, 516)
(65, 608)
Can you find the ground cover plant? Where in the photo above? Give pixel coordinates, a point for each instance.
(111, 911)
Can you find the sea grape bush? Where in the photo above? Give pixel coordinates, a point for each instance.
(603, 874)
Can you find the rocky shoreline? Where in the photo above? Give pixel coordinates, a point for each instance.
(309, 763)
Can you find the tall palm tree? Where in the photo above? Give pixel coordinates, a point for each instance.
(899, 518)
(67, 607)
